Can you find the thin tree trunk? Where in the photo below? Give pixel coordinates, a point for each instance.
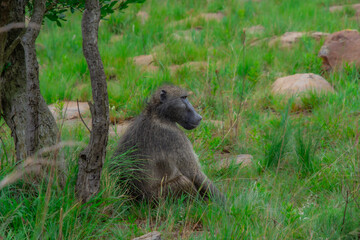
(13, 92)
(32, 76)
(4, 20)
(92, 158)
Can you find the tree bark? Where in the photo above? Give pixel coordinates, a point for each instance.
(13, 92)
(4, 20)
(32, 76)
(92, 158)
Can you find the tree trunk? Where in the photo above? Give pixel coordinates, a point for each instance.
(92, 158)
(4, 20)
(32, 76)
(13, 92)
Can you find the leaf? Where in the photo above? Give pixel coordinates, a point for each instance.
(52, 17)
(58, 23)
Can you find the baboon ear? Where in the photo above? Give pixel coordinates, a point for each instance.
(162, 96)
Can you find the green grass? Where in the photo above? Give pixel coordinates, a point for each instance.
(305, 169)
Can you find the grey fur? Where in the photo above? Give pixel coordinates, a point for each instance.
(161, 157)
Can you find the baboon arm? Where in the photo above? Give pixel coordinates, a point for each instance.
(207, 188)
(177, 186)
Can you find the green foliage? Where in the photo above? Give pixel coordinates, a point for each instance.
(56, 10)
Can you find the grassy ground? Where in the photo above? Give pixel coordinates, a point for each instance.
(304, 180)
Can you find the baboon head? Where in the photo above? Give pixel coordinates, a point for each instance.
(171, 103)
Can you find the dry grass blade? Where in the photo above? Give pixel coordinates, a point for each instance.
(29, 166)
(58, 146)
(33, 164)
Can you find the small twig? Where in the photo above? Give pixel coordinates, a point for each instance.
(61, 219)
(77, 101)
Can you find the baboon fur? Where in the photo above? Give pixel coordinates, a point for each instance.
(160, 158)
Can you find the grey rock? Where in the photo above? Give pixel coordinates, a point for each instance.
(150, 236)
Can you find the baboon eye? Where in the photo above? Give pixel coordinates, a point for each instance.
(183, 97)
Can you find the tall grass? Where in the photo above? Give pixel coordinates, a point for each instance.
(305, 147)
(278, 138)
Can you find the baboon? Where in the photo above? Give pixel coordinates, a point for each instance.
(159, 156)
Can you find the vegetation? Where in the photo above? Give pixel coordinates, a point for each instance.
(304, 180)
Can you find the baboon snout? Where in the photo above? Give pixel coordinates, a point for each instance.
(198, 118)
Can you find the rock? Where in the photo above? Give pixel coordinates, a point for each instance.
(318, 35)
(302, 82)
(212, 16)
(146, 62)
(151, 68)
(143, 60)
(258, 29)
(144, 16)
(187, 35)
(196, 65)
(76, 122)
(338, 8)
(287, 39)
(69, 110)
(341, 47)
(243, 160)
(150, 236)
(174, 68)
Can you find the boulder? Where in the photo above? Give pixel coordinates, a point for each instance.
(318, 35)
(257, 29)
(146, 62)
(338, 8)
(150, 236)
(143, 60)
(299, 83)
(218, 16)
(341, 47)
(287, 39)
(187, 35)
(242, 160)
(69, 110)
